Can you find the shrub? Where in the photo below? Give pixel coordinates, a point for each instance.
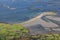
(12, 31)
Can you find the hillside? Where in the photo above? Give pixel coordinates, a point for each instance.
(12, 31)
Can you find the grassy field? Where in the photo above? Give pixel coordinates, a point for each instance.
(18, 32)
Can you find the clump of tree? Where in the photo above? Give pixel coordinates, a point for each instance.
(12, 32)
(46, 37)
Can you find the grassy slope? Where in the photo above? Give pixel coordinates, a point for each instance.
(18, 32)
(9, 31)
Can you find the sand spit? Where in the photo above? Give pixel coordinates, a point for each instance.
(39, 20)
(38, 25)
(42, 23)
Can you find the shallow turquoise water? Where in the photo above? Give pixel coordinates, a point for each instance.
(12, 11)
